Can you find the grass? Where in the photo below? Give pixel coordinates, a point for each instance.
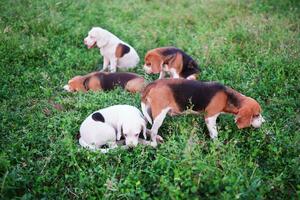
(252, 46)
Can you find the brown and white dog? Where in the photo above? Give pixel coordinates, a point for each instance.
(106, 81)
(115, 52)
(176, 96)
(171, 60)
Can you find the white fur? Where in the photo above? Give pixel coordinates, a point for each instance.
(145, 109)
(257, 121)
(156, 124)
(174, 73)
(148, 69)
(107, 43)
(67, 88)
(123, 118)
(212, 125)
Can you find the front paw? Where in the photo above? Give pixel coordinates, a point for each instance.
(153, 144)
(159, 139)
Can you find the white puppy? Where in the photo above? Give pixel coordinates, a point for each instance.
(115, 52)
(107, 125)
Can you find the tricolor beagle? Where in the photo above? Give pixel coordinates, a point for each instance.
(174, 96)
(107, 126)
(115, 52)
(172, 60)
(106, 81)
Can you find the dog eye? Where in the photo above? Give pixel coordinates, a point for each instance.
(136, 135)
(125, 135)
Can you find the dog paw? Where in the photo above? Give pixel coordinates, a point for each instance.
(159, 139)
(153, 144)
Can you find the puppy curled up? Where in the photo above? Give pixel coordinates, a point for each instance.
(106, 127)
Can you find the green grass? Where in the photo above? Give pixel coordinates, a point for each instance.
(252, 46)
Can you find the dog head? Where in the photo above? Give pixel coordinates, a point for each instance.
(132, 130)
(84, 83)
(153, 62)
(96, 36)
(75, 84)
(249, 114)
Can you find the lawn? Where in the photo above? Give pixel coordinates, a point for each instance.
(252, 46)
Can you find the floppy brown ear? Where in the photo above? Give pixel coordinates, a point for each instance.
(156, 63)
(77, 83)
(94, 83)
(175, 61)
(244, 117)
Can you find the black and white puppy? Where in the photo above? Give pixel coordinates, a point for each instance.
(106, 126)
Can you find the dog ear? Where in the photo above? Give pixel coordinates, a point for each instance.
(156, 63)
(119, 131)
(244, 117)
(193, 64)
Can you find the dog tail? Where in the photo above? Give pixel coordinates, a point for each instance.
(146, 111)
(145, 101)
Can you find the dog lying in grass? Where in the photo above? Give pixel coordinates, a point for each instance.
(96, 81)
(176, 96)
(115, 52)
(107, 126)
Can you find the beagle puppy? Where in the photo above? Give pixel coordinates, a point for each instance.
(106, 81)
(171, 60)
(106, 126)
(115, 52)
(176, 96)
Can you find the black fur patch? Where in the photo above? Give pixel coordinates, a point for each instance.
(195, 94)
(105, 146)
(189, 65)
(78, 136)
(98, 117)
(86, 83)
(111, 80)
(124, 49)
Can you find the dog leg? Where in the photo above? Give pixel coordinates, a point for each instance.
(105, 63)
(113, 65)
(159, 139)
(161, 74)
(156, 124)
(212, 125)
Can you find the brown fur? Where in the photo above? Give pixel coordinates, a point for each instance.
(249, 108)
(121, 50)
(159, 96)
(157, 58)
(92, 82)
(156, 61)
(216, 105)
(135, 85)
